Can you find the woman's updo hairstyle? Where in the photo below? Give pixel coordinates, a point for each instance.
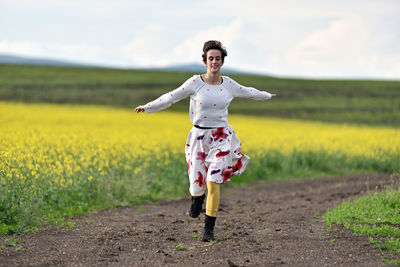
(212, 44)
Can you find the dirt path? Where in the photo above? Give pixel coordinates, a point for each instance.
(274, 223)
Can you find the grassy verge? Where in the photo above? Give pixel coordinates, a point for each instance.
(27, 204)
(375, 215)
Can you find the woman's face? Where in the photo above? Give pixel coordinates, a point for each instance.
(214, 60)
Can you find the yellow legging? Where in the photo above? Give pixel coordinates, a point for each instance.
(212, 199)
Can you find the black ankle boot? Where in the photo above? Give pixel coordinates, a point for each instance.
(197, 206)
(208, 234)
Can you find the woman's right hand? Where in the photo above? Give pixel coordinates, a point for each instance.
(139, 109)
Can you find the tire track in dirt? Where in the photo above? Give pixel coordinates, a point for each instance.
(266, 224)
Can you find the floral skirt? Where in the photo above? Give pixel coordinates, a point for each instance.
(213, 155)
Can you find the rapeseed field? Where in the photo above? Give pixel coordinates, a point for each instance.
(59, 160)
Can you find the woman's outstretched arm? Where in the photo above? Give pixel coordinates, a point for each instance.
(248, 92)
(166, 100)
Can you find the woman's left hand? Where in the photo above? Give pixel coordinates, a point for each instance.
(139, 109)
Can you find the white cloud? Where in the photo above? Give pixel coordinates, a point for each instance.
(147, 48)
(343, 41)
(23, 48)
(318, 38)
(150, 49)
(190, 49)
(347, 47)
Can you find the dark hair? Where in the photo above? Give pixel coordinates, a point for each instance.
(213, 44)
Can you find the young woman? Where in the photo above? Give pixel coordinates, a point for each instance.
(212, 148)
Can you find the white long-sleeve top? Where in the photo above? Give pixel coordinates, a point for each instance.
(208, 103)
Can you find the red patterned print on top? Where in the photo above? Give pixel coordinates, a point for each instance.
(219, 134)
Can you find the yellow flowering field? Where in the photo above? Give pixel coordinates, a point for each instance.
(59, 160)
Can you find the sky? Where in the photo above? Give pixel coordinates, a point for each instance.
(304, 38)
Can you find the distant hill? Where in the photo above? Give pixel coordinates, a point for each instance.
(21, 60)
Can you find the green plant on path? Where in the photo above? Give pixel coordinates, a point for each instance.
(179, 246)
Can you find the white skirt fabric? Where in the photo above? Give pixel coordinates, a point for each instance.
(213, 155)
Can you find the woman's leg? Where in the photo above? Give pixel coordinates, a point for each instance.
(211, 210)
(197, 191)
(196, 206)
(212, 199)
(195, 156)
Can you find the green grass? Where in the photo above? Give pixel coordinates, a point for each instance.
(375, 215)
(350, 101)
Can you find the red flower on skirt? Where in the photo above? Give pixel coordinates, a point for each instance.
(201, 156)
(239, 152)
(237, 166)
(226, 175)
(219, 134)
(222, 153)
(200, 179)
